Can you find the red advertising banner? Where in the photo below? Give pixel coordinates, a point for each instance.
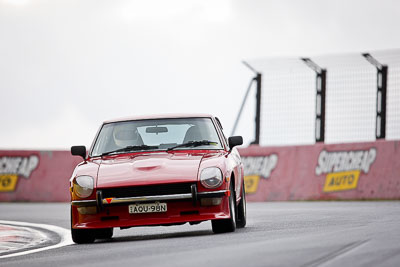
(313, 172)
(36, 175)
(321, 172)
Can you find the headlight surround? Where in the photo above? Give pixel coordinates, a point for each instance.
(211, 177)
(83, 186)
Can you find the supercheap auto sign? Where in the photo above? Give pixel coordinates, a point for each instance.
(343, 168)
(364, 170)
(35, 175)
(13, 167)
(256, 168)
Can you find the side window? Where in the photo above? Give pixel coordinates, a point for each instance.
(221, 130)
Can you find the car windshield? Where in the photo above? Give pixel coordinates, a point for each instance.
(156, 134)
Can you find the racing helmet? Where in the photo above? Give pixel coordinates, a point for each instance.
(126, 134)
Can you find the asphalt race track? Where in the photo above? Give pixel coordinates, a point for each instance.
(278, 234)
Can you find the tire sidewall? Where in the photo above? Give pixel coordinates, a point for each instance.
(242, 210)
(233, 207)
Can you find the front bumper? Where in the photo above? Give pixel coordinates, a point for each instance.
(113, 212)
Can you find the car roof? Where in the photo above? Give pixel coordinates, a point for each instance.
(161, 116)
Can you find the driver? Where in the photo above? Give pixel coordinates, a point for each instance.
(126, 134)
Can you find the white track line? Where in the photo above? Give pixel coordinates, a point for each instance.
(62, 232)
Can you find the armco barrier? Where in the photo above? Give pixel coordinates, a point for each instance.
(341, 171)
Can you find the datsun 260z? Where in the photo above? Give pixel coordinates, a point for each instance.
(157, 170)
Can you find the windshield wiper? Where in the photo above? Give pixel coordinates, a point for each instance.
(130, 148)
(194, 144)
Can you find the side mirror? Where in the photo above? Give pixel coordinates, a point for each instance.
(235, 141)
(79, 151)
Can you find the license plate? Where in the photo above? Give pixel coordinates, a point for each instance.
(148, 208)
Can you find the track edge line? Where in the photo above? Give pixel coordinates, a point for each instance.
(64, 234)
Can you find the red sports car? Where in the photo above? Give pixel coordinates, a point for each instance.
(157, 170)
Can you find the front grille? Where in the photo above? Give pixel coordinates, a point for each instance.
(147, 190)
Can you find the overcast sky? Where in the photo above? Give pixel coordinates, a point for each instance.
(66, 66)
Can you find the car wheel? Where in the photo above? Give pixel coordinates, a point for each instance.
(105, 233)
(82, 236)
(241, 213)
(227, 225)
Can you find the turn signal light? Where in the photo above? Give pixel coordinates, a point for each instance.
(87, 210)
(215, 201)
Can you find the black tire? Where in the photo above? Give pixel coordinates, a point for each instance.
(227, 225)
(242, 210)
(83, 236)
(105, 233)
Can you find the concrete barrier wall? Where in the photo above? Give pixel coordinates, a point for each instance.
(36, 175)
(341, 171)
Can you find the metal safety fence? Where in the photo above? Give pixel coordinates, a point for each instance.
(332, 99)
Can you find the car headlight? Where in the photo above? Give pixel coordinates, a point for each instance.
(83, 186)
(211, 177)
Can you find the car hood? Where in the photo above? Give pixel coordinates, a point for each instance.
(151, 168)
